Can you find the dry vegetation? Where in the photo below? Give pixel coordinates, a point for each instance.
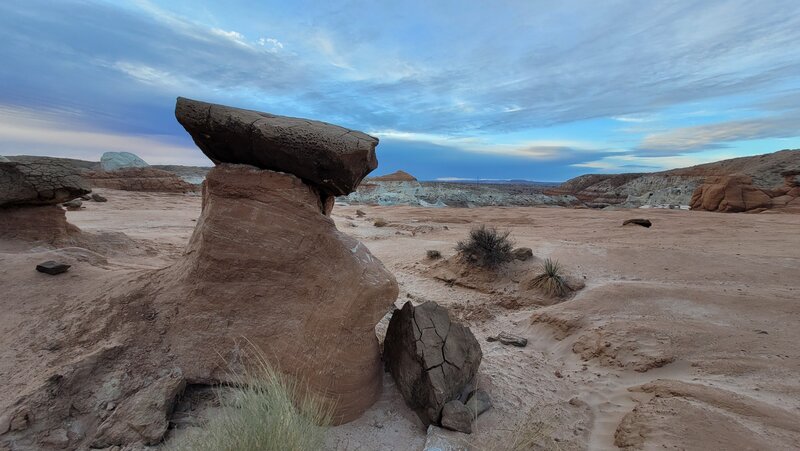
(550, 281)
(269, 412)
(486, 247)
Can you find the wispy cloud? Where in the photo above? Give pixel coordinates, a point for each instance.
(704, 137)
(28, 132)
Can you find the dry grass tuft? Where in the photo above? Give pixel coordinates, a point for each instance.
(550, 280)
(269, 412)
(486, 247)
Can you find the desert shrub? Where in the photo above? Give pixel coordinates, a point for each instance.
(268, 411)
(550, 281)
(380, 222)
(486, 247)
(433, 254)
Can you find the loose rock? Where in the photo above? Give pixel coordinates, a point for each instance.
(432, 359)
(74, 204)
(433, 254)
(509, 339)
(52, 267)
(457, 417)
(98, 198)
(522, 253)
(478, 402)
(638, 221)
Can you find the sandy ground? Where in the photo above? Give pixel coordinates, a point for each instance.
(685, 336)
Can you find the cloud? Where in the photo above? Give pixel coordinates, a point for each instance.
(709, 136)
(34, 133)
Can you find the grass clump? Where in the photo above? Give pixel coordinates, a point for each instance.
(486, 247)
(267, 411)
(433, 254)
(550, 281)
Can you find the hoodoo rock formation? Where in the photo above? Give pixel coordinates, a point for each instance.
(265, 266)
(29, 192)
(332, 158)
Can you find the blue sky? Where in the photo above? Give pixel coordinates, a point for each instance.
(537, 90)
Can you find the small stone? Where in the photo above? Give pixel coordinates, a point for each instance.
(478, 402)
(111, 405)
(74, 204)
(86, 197)
(638, 221)
(433, 254)
(509, 339)
(522, 253)
(360, 213)
(457, 417)
(380, 222)
(52, 267)
(98, 198)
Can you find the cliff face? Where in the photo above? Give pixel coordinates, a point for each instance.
(676, 186)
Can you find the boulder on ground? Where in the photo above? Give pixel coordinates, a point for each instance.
(98, 198)
(509, 339)
(113, 161)
(74, 204)
(332, 158)
(432, 359)
(39, 183)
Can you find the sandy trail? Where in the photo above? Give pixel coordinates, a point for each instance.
(701, 309)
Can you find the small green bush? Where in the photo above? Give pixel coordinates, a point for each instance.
(550, 280)
(269, 412)
(486, 247)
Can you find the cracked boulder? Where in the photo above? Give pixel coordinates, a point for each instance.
(432, 359)
(333, 159)
(39, 183)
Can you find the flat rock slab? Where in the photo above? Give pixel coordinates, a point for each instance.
(638, 221)
(332, 158)
(52, 267)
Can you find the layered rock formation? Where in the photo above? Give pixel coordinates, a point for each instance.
(332, 158)
(145, 179)
(29, 193)
(737, 193)
(676, 186)
(266, 268)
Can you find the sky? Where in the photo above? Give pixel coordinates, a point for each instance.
(535, 89)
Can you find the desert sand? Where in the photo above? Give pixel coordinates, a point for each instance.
(684, 337)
